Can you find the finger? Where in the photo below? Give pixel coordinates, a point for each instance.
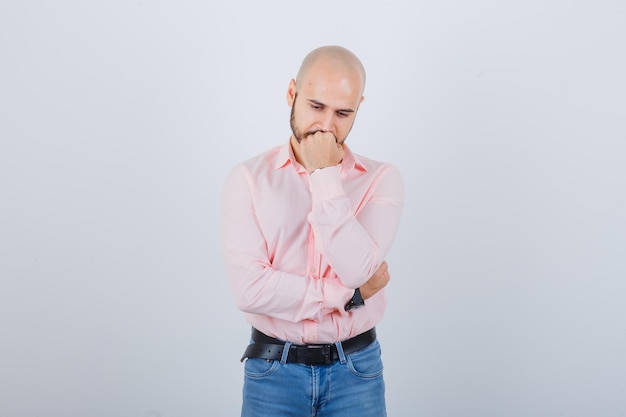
(322, 134)
(311, 133)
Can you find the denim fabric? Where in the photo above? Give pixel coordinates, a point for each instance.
(350, 387)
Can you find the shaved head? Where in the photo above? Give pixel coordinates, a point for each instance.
(326, 94)
(333, 58)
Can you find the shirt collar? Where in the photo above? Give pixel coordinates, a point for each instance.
(285, 156)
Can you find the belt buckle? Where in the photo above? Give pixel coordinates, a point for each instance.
(319, 355)
(327, 352)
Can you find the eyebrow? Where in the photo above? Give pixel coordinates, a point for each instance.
(317, 103)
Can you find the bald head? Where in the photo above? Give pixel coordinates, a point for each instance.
(332, 58)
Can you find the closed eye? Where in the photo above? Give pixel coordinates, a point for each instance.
(316, 105)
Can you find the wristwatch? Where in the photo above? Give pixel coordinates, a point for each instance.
(356, 301)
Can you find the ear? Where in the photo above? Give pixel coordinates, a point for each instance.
(291, 92)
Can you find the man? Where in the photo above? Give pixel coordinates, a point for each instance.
(305, 230)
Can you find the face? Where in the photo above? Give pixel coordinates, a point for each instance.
(325, 100)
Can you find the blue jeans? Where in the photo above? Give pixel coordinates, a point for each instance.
(350, 387)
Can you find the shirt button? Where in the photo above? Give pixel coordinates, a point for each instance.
(312, 270)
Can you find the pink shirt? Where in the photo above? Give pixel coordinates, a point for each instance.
(296, 245)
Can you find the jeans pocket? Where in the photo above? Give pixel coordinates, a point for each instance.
(259, 368)
(367, 362)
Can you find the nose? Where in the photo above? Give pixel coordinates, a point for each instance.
(328, 122)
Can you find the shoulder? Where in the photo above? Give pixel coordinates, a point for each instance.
(266, 159)
(384, 177)
(376, 167)
(258, 164)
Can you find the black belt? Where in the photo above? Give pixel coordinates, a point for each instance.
(267, 347)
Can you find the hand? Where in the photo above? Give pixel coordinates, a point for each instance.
(320, 150)
(377, 282)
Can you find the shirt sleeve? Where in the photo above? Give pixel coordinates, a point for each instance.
(355, 238)
(257, 287)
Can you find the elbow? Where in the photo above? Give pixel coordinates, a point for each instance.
(244, 300)
(247, 287)
(249, 298)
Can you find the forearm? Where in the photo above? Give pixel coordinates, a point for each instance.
(286, 296)
(356, 236)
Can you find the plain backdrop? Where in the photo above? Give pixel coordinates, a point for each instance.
(120, 119)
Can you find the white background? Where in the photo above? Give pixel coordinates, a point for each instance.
(120, 119)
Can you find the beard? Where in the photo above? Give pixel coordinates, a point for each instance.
(297, 133)
(292, 122)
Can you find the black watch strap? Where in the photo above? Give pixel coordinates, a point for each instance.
(356, 301)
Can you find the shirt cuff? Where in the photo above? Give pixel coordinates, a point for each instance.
(326, 184)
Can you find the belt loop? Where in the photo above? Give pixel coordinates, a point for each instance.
(342, 356)
(283, 358)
